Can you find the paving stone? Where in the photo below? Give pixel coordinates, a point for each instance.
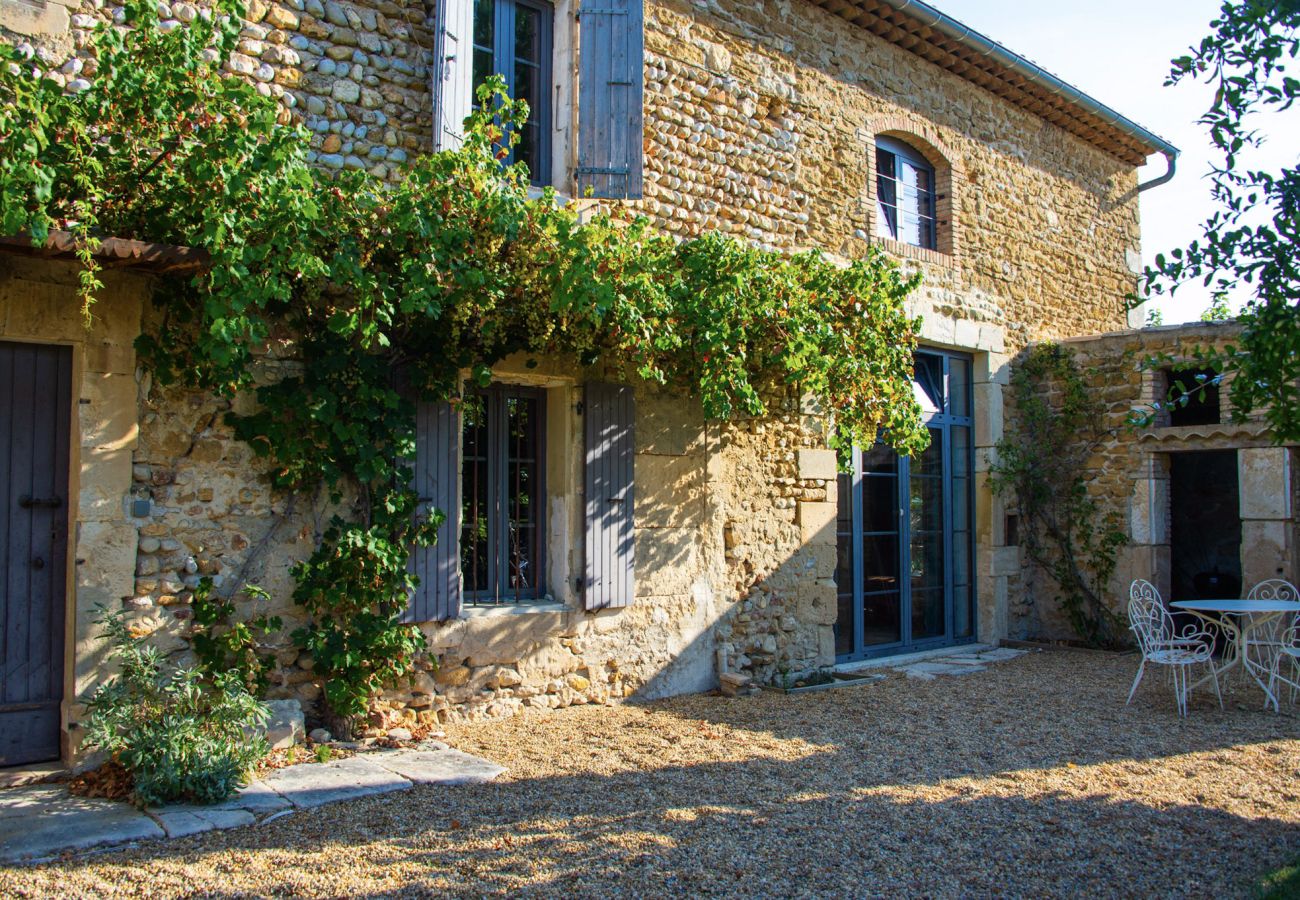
(41, 821)
(27, 775)
(258, 798)
(180, 820)
(939, 668)
(917, 674)
(314, 785)
(961, 661)
(439, 766)
(1001, 653)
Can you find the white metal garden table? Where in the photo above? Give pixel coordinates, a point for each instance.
(1256, 617)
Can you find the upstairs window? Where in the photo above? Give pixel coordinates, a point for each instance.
(904, 194)
(513, 38)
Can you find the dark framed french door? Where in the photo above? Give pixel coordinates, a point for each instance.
(904, 529)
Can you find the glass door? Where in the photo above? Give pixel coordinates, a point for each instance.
(904, 529)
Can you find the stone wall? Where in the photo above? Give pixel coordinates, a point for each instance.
(734, 531)
(355, 74)
(760, 122)
(1129, 475)
(735, 545)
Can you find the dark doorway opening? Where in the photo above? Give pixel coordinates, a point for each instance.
(1205, 525)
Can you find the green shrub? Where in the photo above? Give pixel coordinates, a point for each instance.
(182, 733)
(355, 587)
(222, 644)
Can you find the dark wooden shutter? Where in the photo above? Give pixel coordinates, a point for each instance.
(451, 72)
(35, 424)
(611, 57)
(610, 576)
(437, 480)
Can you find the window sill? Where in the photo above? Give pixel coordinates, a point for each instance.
(1249, 433)
(511, 609)
(911, 251)
(562, 198)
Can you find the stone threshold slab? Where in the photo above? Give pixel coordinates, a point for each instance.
(957, 664)
(39, 822)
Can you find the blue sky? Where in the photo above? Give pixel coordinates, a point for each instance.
(1118, 51)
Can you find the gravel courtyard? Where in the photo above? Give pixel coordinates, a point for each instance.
(1031, 778)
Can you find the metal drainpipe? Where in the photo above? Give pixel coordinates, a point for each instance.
(1172, 160)
(963, 34)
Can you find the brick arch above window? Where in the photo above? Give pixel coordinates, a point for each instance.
(949, 177)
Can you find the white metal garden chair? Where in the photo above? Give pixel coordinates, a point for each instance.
(1287, 659)
(1162, 644)
(1265, 645)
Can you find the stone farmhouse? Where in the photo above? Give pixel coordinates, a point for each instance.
(611, 543)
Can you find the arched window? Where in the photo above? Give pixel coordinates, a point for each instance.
(905, 190)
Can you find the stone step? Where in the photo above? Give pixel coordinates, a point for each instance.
(37, 822)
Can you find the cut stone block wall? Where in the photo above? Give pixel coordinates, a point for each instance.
(1129, 474)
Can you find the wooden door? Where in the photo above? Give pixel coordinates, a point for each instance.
(35, 415)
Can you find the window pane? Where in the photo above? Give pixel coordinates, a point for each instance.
(844, 623)
(844, 562)
(475, 557)
(961, 451)
(961, 503)
(527, 34)
(959, 386)
(928, 372)
(886, 195)
(525, 89)
(911, 230)
(879, 503)
(523, 497)
(927, 614)
(880, 619)
(930, 461)
(522, 568)
(963, 611)
(927, 561)
(926, 504)
(961, 557)
(485, 12)
(914, 177)
(482, 68)
(879, 563)
(881, 458)
(484, 39)
(844, 502)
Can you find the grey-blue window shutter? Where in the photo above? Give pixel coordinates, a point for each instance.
(610, 94)
(451, 71)
(437, 481)
(609, 410)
